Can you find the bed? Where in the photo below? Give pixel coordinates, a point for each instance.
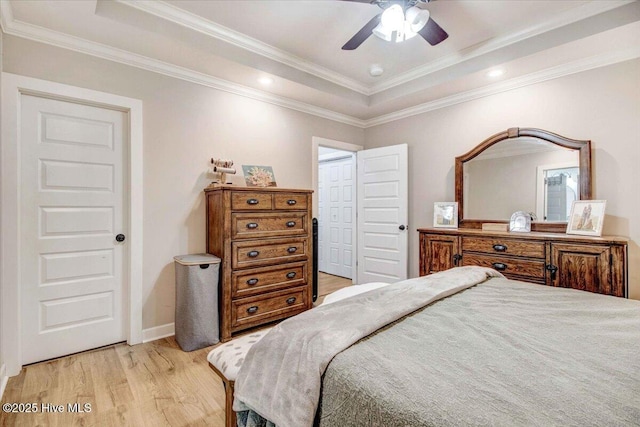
(465, 347)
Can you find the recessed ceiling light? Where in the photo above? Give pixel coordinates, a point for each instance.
(265, 81)
(496, 72)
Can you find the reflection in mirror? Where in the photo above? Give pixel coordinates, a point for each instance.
(521, 174)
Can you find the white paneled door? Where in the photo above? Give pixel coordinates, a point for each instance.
(72, 165)
(382, 181)
(336, 179)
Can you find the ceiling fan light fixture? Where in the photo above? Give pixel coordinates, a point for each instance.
(383, 32)
(397, 26)
(408, 32)
(393, 18)
(417, 18)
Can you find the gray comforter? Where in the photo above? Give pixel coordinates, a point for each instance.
(503, 353)
(281, 376)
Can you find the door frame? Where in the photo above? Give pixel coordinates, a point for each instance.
(316, 142)
(13, 86)
(540, 184)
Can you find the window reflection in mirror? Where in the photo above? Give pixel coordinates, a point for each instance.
(521, 174)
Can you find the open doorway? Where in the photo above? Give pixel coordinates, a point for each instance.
(336, 211)
(334, 182)
(557, 189)
(379, 210)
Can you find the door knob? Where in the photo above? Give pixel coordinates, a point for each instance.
(402, 227)
(120, 238)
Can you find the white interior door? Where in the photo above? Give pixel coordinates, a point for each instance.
(336, 215)
(382, 182)
(72, 179)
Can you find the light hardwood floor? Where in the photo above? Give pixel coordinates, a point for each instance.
(151, 384)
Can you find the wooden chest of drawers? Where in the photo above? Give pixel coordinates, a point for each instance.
(263, 237)
(595, 264)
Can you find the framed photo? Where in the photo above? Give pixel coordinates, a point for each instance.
(445, 214)
(520, 222)
(586, 217)
(259, 176)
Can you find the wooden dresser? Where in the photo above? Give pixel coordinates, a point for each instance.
(263, 236)
(595, 264)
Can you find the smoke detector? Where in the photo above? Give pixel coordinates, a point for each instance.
(376, 70)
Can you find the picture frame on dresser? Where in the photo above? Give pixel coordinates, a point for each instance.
(445, 215)
(587, 217)
(259, 176)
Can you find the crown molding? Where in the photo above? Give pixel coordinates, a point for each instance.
(51, 37)
(20, 29)
(574, 67)
(197, 23)
(6, 14)
(568, 17)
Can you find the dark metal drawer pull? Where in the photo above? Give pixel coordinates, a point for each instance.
(252, 225)
(292, 250)
(500, 248)
(252, 201)
(291, 224)
(252, 309)
(253, 254)
(252, 282)
(291, 300)
(499, 266)
(291, 275)
(291, 202)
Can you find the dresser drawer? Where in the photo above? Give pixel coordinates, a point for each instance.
(254, 253)
(262, 224)
(509, 266)
(290, 201)
(267, 279)
(248, 201)
(504, 246)
(272, 306)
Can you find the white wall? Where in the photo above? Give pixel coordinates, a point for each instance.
(602, 105)
(184, 126)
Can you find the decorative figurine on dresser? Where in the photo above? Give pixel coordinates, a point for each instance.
(263, 236)
(529, 159)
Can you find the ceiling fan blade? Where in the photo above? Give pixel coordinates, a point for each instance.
(433, 33)
(363, 34)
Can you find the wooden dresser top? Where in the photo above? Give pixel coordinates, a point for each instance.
(533, 235)
(255, 189)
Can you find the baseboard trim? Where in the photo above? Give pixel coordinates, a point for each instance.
(157, 332)
(3, 379)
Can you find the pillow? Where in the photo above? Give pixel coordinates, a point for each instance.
(350, 291)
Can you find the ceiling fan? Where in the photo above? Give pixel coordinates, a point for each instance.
(399, 21)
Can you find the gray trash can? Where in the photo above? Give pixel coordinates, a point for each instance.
(197, 323)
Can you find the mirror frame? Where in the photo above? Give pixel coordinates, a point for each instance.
(584, 147)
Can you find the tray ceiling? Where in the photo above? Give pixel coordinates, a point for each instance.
(230, 44)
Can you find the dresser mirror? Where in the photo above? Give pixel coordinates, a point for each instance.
(523, 169)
